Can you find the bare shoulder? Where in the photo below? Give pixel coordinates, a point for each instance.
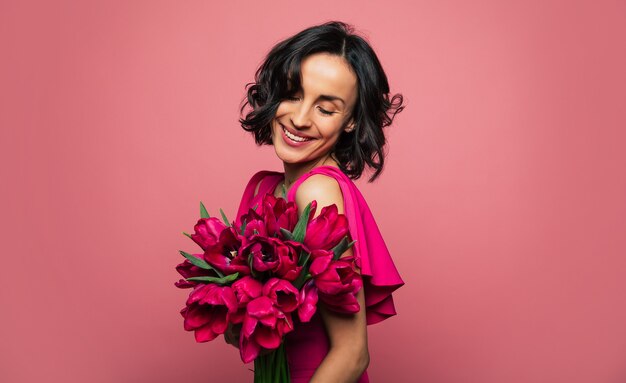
(326, 191)
(322, 188)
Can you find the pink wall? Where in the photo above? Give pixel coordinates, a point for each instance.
(503, 200)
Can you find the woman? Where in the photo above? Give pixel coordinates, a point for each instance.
(321, 99)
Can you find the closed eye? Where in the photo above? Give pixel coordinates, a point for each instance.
(326, 112)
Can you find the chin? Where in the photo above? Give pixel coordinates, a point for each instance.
(287, 158)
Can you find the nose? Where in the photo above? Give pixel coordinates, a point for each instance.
(300, 118)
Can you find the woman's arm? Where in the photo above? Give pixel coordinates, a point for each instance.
(348, 356)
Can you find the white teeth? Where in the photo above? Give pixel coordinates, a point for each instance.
(295, 138)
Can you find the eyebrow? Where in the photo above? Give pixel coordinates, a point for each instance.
(331, 98)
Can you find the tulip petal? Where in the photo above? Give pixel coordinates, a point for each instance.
(196, 317)
(249, 325)
(205, 333)
(184, 284)
(269, 321)
(207, 232)
(237, 317)
(213, 295)
(248, 349)
(320, 264)
(219, 323)
(285, 325)
(308, 297)
(229, 299)
(267, 337)
(260, 307)
(198, 293)
(249, 286)
(184, 310)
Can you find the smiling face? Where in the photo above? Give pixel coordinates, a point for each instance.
(318, 112)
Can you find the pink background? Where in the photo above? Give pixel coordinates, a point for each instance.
(502, 203)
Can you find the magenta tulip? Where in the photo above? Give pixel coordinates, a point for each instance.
(338, 286)
(254, 222)
(277, 213)
(246, 289)
(208, 309)
(282, 293)
(270, 254)
(263, 326)
(320, 260)
(224, 255)
(271, 214)
(288, 261)
(207, 232)
(308, 301)
(327, 229)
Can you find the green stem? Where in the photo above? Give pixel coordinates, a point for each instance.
(272, 367)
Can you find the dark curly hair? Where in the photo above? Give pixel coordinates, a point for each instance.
(279, 75)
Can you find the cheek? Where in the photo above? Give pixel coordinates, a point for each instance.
(330, 130)
(283, 108)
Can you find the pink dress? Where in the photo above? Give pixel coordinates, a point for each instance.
(307, 345)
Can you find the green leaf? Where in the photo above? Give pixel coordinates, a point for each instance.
(224, 217)
(243, 226)
(201, 263)
(203, 212)
(341, 247)
(255, 206)
(221, 281)
(300, 230)
(188, 235)
(284, 192)
(288, 235)
(252, 271)
(303, 258)
(302, 261)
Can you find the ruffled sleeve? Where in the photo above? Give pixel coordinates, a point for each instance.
(379, 273)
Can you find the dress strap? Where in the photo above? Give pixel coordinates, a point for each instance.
(248, 196)
(268, 183)
(324, 169)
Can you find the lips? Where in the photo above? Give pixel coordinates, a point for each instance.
(294, 133)
(291, 142)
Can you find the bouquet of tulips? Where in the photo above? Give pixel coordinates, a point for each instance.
(254, 278)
